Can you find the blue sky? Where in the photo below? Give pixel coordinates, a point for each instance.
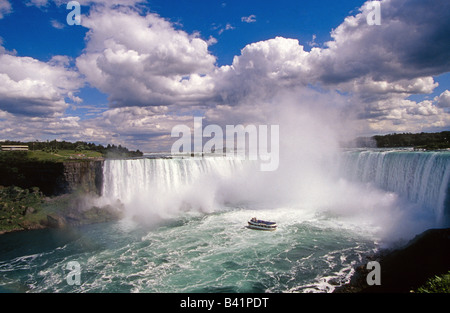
(29, 31)
(288, 18)
(205, 57)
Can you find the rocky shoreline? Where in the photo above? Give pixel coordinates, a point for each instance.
(405, 269)
(24, 210)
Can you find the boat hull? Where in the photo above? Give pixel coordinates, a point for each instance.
(262, 225)
(261, 228)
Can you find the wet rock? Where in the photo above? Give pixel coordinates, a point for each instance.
(55, 221)
(407, 268)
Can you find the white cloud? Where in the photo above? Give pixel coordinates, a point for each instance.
(32, 87)
(443, 100)
(228, 26)
(408, 44)
(379, 67)
(56, 24)
(106, 3)
(262, 69)
(249, 19)
(5, 8)
(425, 108)
(156, 75)
(313, 43)
(147, 63)
(364, 62)
(38, 3)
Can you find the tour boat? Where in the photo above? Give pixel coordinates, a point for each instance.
(254, 223)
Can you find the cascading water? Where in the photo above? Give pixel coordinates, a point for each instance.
(166, 185)
(124, 179)
(420, 177)
(163, 186)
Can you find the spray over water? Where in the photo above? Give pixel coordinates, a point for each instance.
(314, 178)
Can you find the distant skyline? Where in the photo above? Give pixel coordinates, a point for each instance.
(134, 69)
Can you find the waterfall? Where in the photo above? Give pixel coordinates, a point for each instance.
(167, 185)
(419, 177)
(363, 187)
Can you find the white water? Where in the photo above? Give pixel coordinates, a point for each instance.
(162, 188)
(398, 194)
(420, 177)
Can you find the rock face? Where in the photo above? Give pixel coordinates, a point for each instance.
(56, 178)
(83, 217)
(86, 176)
(408, 268)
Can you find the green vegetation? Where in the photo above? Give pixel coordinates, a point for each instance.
(63, 155)
(427, 141)
(14, 167)
(63, 150)
(20, 208)
(437, 284)
(26, 209)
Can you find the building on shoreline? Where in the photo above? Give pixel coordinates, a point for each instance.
(14, 148)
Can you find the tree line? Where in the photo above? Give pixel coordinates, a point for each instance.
(54, 146)
(427, 141)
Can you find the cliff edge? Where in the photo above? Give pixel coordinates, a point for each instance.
(406, 269)
(53, 178)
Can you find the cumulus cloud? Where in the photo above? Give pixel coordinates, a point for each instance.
(157, 76)
(443, 100)
(378, 67)
(32, 87)
(261, 70)
(383, 65)
(150, 63)
(147, 63)
(30, 128)
(408, 44)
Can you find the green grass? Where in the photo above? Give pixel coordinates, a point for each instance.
(63, 155)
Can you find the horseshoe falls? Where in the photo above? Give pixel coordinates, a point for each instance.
(184, 224)
(419, 177)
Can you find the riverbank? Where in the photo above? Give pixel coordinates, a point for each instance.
(28, 209)
(406, 269)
